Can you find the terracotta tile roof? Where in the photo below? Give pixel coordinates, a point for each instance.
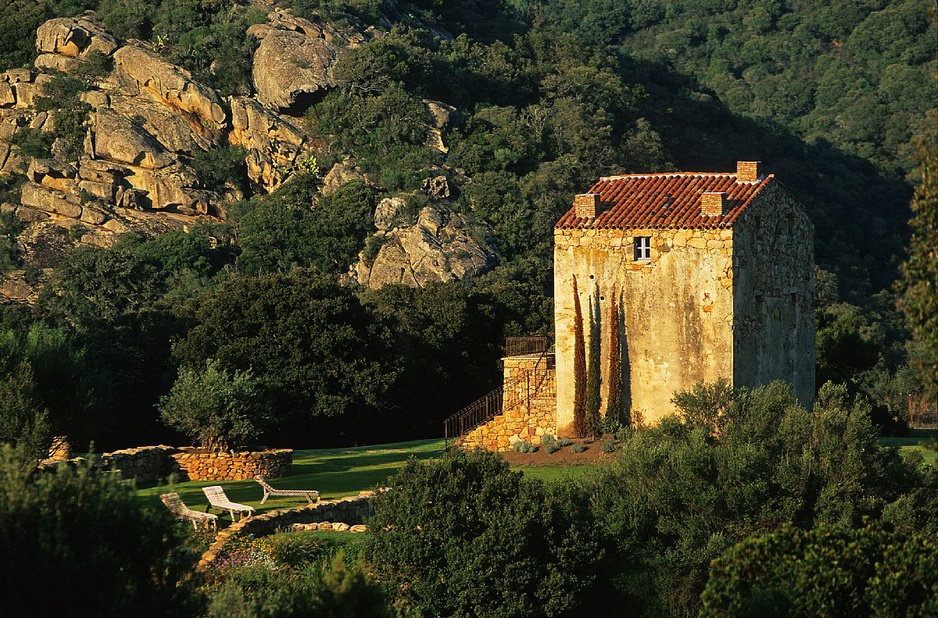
(669, 200)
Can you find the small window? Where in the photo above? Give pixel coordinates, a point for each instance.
(642, 248)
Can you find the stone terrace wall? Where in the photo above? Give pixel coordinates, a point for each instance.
(153, 463)
(147, 464)
(351, 511)
(195, 465)
(530, 406)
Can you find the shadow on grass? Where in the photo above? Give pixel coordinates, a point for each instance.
(333, 472)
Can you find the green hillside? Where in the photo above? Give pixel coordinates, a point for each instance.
(548, 96)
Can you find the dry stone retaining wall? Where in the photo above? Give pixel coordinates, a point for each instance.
(195, 465)
(154, 463)
(344, 514)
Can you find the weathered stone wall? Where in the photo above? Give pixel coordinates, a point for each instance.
(709, 304)
(154, 463)
(773, 266)
(147, 464)
(196, 465)
(530, 401)
(343, 514)
(676, 311)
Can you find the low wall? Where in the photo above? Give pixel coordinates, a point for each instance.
(154, 463)
(197, 465)
(351, 511)
(146, 464)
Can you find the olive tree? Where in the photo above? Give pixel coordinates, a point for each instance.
(216, 408)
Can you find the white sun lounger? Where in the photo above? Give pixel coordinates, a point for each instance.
(175, 504)
(310, 494)
(217, 498)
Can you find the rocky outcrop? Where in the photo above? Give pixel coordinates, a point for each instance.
(72, 37)
(293, 63)
(144, 71)
(131, 165)
(340, 174)
(115, 137)
(440, 246)
(443, 117)
(275, 144)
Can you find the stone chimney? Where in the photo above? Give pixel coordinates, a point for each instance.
(712, 203)
(586, 205)
(748, 171)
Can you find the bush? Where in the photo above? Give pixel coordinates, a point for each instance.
(825, 571)
(222, 167)
(578, 448)
(608, 446)
(333, 590)
(216, 408)
(524, 447)
(81, 540)
(679, 495)
(464, 535)
(564, 442)
(551, 449)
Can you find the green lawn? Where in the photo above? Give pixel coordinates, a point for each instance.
(335, 473)
(916, 442)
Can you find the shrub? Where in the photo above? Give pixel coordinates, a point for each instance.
(335, 589)
(551, 449)
(564, 442)
(82, 540)
(216, 408)
(608, 446)
(696, 493)
(522, 446)
(825, 571)
(578, 448)
(221, 167)
(464, 535)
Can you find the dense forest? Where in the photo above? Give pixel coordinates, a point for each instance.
(833, 98)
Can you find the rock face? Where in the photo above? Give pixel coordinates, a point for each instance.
(292, 64)
(275, 144)
(440, 246)
(131, 165)
(144, 71)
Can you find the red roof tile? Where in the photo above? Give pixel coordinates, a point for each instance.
(665, 201)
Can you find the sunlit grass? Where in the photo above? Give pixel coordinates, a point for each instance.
(335, 473)
(921, 441)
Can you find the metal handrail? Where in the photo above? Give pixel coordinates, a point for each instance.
(492, 403)
(523, 346)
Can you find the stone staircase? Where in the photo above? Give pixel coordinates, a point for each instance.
(522, 409)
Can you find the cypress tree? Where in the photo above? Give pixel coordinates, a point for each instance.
(592, 371)
(614, 402)
(579, 367)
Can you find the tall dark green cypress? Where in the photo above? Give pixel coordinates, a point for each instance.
(579, 367)
(593, 399)
(614, 400)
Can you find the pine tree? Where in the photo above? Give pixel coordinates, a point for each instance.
(614, 402)
(579, 367)
(593, 372)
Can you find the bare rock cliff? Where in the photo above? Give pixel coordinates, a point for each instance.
(441, 245)
(130, 162)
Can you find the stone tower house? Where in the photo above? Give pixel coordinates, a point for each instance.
(711, 275)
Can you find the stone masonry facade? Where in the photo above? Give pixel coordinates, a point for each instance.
(711, 276)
